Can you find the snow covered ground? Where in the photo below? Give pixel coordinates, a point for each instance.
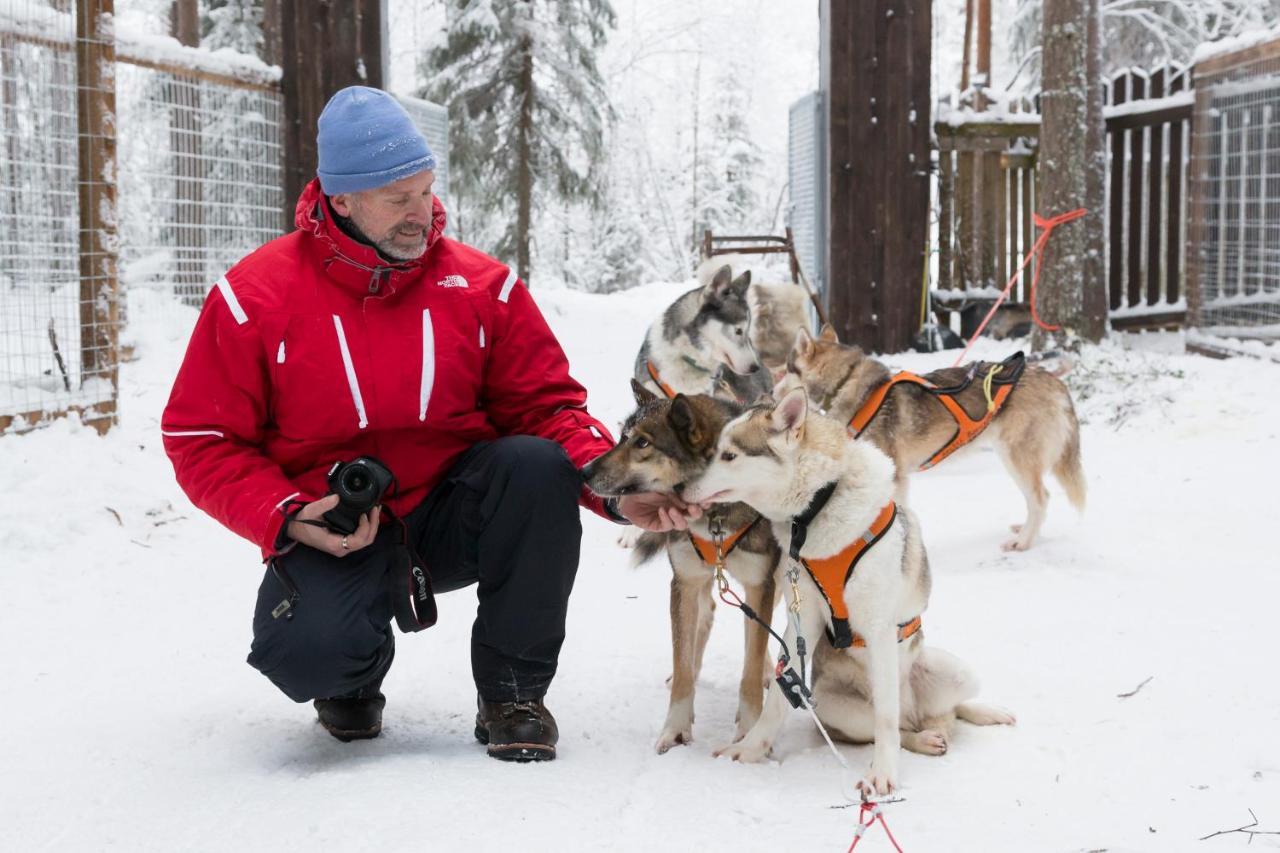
(131, 722)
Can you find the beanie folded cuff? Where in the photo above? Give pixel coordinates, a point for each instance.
(336, 184)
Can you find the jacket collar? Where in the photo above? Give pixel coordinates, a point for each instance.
(358, 269)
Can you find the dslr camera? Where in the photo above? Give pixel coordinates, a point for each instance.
(359, 485)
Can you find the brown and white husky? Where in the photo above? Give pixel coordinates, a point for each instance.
(885, 685)
(664, 444)
(1035, 431)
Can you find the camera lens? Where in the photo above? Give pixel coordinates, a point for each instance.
(356, 482)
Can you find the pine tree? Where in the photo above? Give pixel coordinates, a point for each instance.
(528, 113)
(727, 198)
(236, 24)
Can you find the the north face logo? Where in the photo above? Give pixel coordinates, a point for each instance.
(452, 281)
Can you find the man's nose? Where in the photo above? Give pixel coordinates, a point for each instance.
(421, 212)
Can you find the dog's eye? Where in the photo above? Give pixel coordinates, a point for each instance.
(641, 443)
(728, 456)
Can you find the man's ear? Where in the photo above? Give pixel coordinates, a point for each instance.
(341, 204)
(788, 415)
(642, 394)
(684, 419)
(828, 334)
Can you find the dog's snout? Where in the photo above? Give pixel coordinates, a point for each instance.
(678, 488)
(755, 368)
(586, 471)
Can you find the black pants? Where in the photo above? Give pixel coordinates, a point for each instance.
(505, 518)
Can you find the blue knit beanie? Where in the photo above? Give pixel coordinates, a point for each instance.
(367, 140)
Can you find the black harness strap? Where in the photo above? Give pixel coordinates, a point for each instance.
(800, 523)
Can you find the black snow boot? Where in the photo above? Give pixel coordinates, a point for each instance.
(356, 715)
(517, 731)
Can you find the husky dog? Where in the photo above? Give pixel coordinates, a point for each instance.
(741, 388)
(663, 445)
(778, 312)
(704, 328)
(1034, 432)
(886, 686)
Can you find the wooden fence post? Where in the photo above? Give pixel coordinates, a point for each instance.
(96, 129)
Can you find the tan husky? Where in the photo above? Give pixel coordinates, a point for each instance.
(874, 679)
(664, 444)
(1034, 431)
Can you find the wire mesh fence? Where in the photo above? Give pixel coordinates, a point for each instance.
(201, 177)
(1235, 232)
(192, 183)
(58, 305)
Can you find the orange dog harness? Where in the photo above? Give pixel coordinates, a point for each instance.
(706, 548)
(666, 389)
(1004, 378)
(832, 574)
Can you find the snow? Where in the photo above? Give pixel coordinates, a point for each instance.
(1233, 44)
(132, 722)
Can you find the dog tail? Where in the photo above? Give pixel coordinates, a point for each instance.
(1067, 469)
(647, 547)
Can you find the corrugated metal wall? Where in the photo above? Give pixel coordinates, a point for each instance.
(806, 180)
(433, 120)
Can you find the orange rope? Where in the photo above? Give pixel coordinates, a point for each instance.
(1037, 252)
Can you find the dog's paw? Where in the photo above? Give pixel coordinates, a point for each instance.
(748, 752)
(1015, 544)
(674, 737)
(877, 784)
(985, 715)
(927, 742)
(630, 537)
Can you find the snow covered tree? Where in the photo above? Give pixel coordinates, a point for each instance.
(528, 111)
(236, 24)
(728, 162)
(1146, 33)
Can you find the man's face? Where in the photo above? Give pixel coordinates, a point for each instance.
(396, 217)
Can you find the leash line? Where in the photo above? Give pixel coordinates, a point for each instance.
(1036, 252)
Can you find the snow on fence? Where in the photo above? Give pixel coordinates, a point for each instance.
(987, 197)
(124, 159)
(1234, 254)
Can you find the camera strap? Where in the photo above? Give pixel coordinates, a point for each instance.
(412, 600)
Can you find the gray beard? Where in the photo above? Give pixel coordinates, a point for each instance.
(385, 248)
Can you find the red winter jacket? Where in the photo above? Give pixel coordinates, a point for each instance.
(313, 350)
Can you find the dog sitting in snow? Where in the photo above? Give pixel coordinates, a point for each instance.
(860, 572)
(664, 444)
(1034, 430)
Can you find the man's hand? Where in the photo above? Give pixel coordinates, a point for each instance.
(658, 513)
(323, 539)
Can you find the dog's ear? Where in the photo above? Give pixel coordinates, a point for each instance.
(718, 285)
(684, 419)
(828, 334)
(741, 283)
(803, 347)
(642, 394)
(788, 415)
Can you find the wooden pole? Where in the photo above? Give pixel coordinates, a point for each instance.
(875, 77)
(96, 130)
(967, 55)
(327, 45)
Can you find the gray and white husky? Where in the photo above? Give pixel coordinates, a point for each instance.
(892, 690)
(703, 329)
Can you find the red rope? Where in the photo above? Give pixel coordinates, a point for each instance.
(1037, 252)
(872, 813)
